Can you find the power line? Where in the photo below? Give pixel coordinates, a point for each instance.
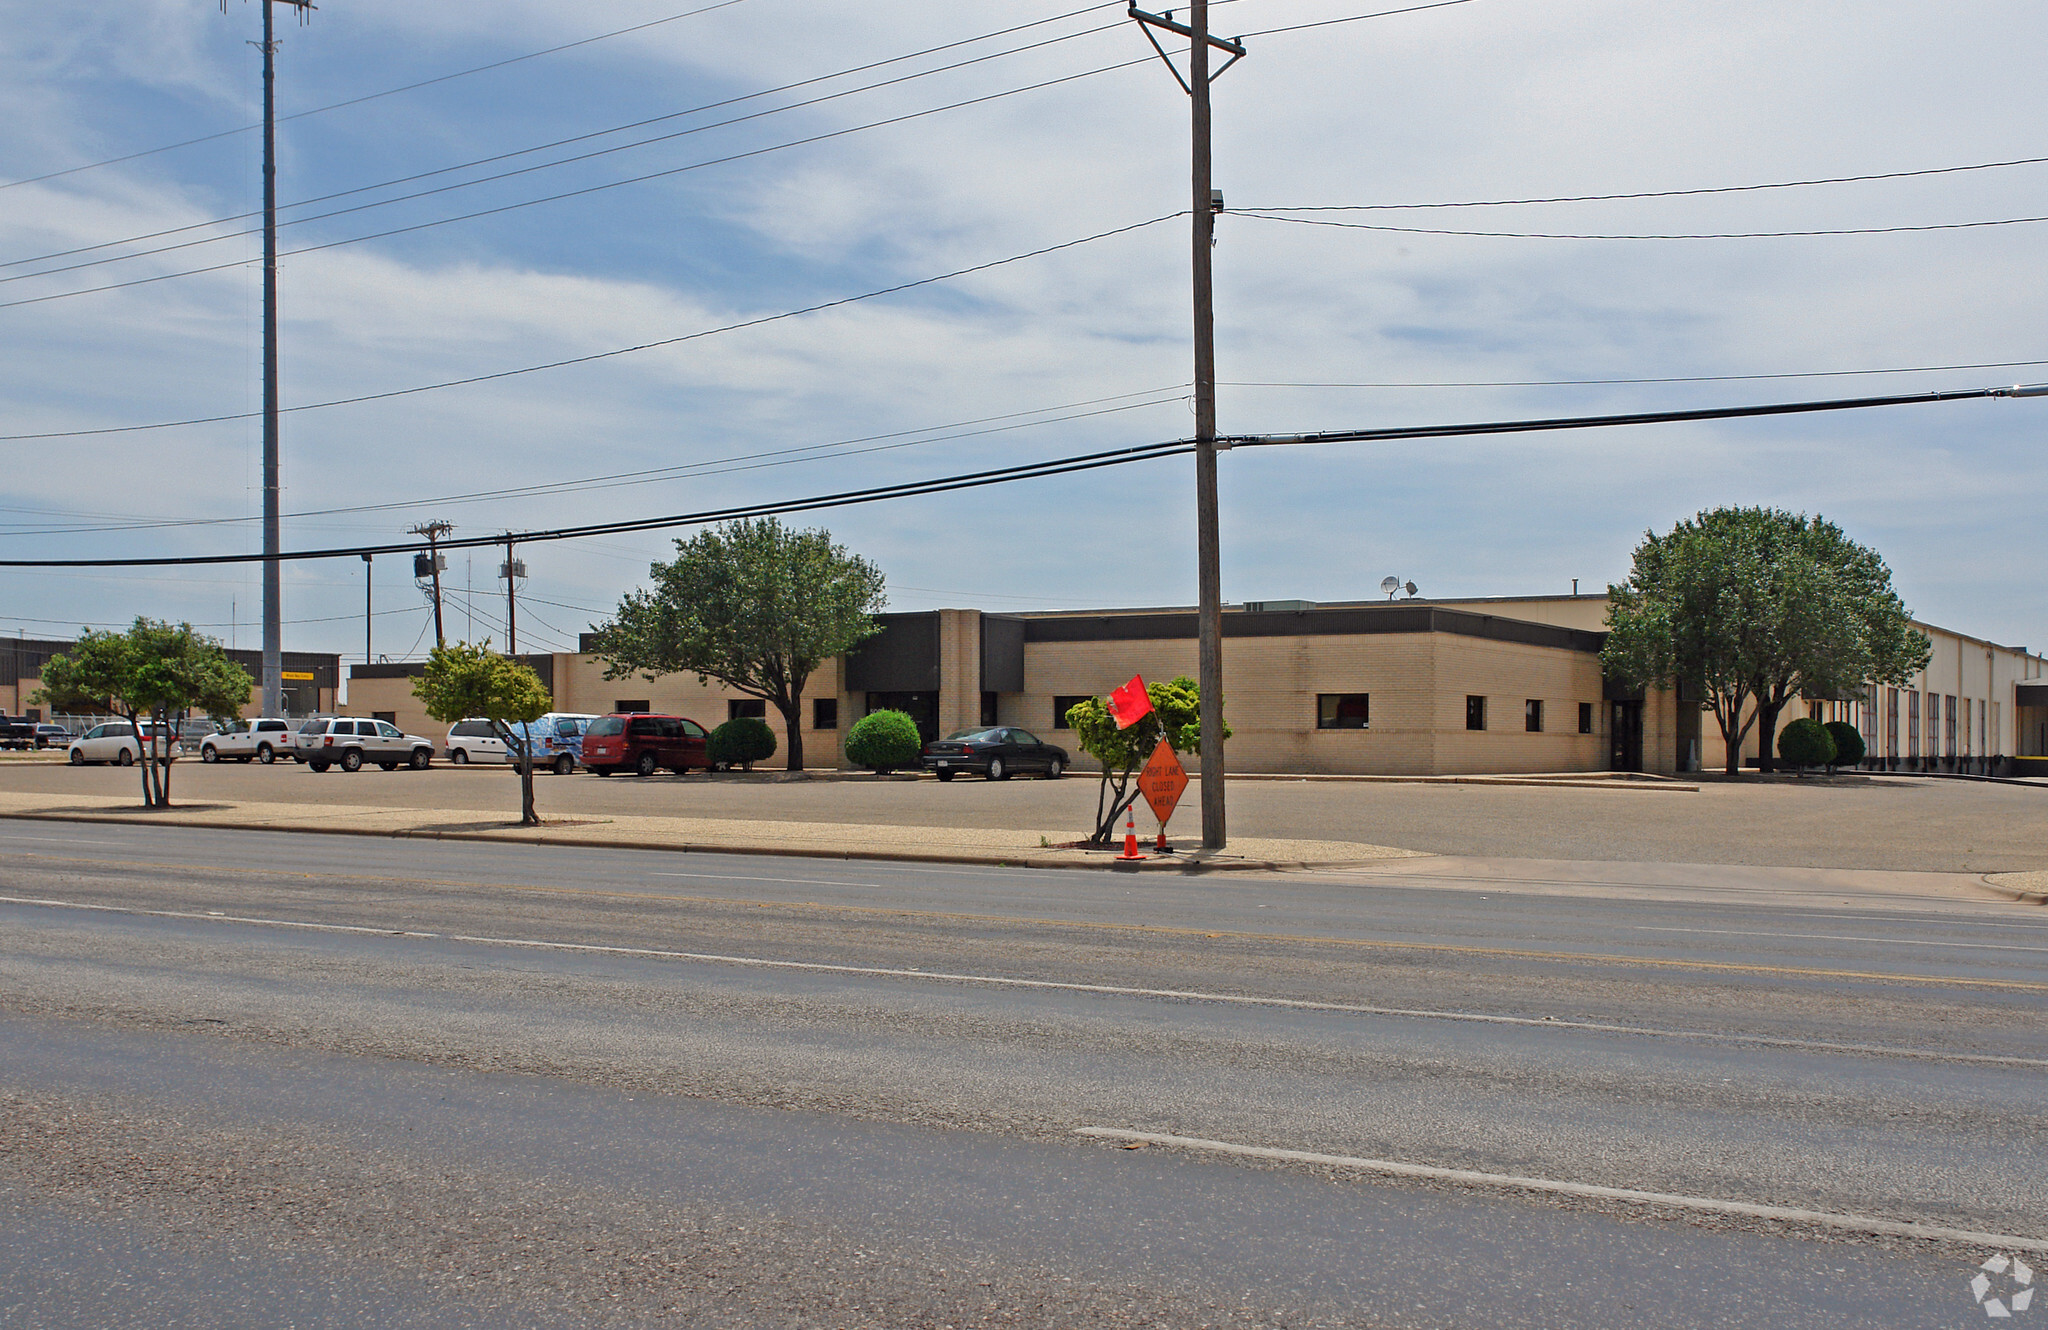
(589, 189)
(1353, 18)
(619, 351)
(1655, 193)
(528, 170)
(691, 470)
(1684, 378)
(366, 97)
(1070, 465)
(1595, 235)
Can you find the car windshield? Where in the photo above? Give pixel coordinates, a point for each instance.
(606, 725)
(961, 736)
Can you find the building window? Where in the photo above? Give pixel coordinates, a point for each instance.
(824, 713)
(632, 704)
(1532, 715)
(1891, 722)
(1983, 740)
(1585, 718)
(754, 707)
(1475, 713)
(1343, 711)
(1061, 705)
(1997, 741)
(988, 709)
(1948, 726)
(1913, 724)
(388, 716)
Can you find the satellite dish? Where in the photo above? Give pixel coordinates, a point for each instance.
(1389, 585)
(1410, 588)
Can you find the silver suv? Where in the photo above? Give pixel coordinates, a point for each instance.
(348, 743)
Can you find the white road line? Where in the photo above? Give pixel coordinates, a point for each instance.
(1822, 1218)
(64, 840)
(1833, 937)
(1052, 985)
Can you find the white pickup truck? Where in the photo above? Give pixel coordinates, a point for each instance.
(265, 740)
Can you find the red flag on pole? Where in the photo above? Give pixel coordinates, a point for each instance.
(1130, 704)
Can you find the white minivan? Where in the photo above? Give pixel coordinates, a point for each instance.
(557, 740)
(474, 740)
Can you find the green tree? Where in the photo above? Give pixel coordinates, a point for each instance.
(1754, 606)
(752, 604)
(467, 680)
(741, 742)
(1176, 717)
(882, 741)
(155, 670)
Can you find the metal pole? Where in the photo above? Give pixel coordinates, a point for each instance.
(511, 605)
(1209, 577)
(366, 609)
(273, 569)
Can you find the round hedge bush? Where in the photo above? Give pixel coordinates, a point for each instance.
(1806, 743)
(741, 742)
(882, 741)
(1848, 743)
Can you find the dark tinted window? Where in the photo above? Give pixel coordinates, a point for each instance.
(671, 728)
(746, 706)
(645, 727)
(1343, 711)
(631, 704)
(1475, 713)
(568, 729)
(824, 713)
(692, 729)
(1022, 737)
(1061, 705)
(263, 725)
(604, 727)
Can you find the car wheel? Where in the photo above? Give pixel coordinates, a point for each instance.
(77, 758)
(209, 754)
(1054, 768)
(422, 758)
(266, 755)
(565, 765)
(315, 767)
(127, 758)
(944, 775)
(459, 756)
(352, 760)
(646, 764)
(996, 769)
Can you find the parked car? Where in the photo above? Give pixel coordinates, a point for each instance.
(642, 743)
(558, 739)
(474, 740)
(263, 740)
(348, 743)
(52, 736)
(19, 732)
(996, 752)
(115, 742)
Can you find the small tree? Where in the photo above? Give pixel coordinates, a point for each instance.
(1807, 743)
(1755, 606)
(741, 742)
(753, 605)
(466, 680)
(882, 741)
(1176, 717)
(156, 670)
(1848, 744)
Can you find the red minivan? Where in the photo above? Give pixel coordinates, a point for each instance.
(643, 743)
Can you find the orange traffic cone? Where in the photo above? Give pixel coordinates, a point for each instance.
(1130, 837)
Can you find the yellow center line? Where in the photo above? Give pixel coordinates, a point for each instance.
(1151, 930)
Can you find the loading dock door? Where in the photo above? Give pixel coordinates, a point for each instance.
(1626, 728)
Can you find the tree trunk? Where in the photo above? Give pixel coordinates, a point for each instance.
(1729, 718)
(1767, 732)
(522, 753)
(142, 760)
(792, 709)
(1123, 797)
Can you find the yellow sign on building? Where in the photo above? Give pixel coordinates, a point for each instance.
(303, 676)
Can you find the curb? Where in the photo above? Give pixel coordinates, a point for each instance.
(514, 835)
(2020, 894)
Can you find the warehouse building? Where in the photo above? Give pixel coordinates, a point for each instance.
(311, 679)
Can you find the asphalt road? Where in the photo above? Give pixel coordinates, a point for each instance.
(1901, 823)
(263, 1079)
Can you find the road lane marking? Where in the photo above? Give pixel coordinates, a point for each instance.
(1516, 1182)
(1833, 937)
(63, 840)
(1060, 986)
(1156, 930)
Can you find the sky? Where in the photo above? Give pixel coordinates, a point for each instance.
(730, 169)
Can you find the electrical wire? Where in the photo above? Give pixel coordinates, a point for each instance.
(1685, 378)
(1353, 18)
(689, 471)
(524, 170)
(1596, 235)
(590, 189)
(366, 97)
(618, 351)
(1057, 467)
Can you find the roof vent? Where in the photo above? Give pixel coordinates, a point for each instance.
(1272, 606)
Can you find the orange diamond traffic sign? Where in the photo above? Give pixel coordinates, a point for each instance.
(1162, 781)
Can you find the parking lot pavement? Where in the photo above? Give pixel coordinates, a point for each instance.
(1884, 823)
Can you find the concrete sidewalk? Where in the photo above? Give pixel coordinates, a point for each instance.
(831, 840)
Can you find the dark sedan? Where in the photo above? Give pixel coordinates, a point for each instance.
(996, 752)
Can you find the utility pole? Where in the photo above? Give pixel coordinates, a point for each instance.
(1207, 202)
(429, 566)
(513, 570)
(366, 610)
(273, 567)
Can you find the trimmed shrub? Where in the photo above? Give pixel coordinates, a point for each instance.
(741, 742)
(882, 741)
(1806, 743)
(1848, 743)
